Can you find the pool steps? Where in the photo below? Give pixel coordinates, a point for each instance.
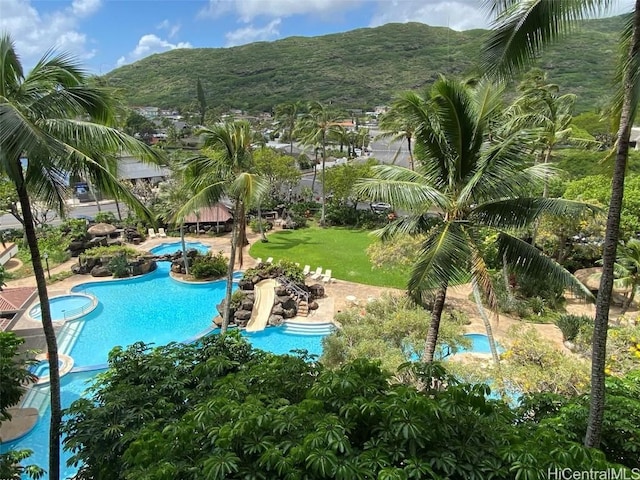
(307, 328)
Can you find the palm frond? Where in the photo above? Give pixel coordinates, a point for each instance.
(516, 213)
(400, 187)
(523, 28)
(628, 63)
(525, 257)
(10, 67)
(443, 260)
(408, 225)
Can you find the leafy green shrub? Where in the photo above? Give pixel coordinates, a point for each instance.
(76, 228)
(290, 270)
(299, 221)
(255, 225)
(111, 251)
(119, 266)
(305, 209)
(237, 297)
(304, 162)
(105, 217)
(209, 266)
(570, 325)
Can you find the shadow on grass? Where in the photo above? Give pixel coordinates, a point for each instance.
(286, 240)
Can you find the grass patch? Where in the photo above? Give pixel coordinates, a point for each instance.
(340, 249)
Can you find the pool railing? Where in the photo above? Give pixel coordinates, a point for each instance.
(80, 311)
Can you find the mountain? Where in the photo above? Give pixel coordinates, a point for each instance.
(357, 69)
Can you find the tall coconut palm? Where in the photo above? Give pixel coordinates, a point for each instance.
(315, 129)
(473, 181)
(225, 170)
(521, 30)
(54, 124)
(396, 125)
(286, 115)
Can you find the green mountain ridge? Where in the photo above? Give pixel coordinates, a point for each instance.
(356, 69)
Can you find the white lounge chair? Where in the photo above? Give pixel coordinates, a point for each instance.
(306, 270)
(161, 232)
(326, 278)
(318, 274)
(152, 233)
(270, 260)
(259, 260)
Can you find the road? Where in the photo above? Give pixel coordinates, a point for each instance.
(89, 209)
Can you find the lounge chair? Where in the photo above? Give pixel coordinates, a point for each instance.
(306, 270)
(161, 232)
(259, 260)
(326, 278)
(270, 260)
(318, 274)
(152, 233)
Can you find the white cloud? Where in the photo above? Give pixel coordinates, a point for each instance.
(148, 45)
(35, 33)
(172, 29)
(247, 10)
(252, 34)
(456, 14)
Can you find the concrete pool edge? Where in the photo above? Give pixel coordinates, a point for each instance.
(61, 321)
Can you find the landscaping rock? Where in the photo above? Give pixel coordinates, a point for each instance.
(313, 305)
(245, 284)
(251, 296)
(242, 315)
(277, 310)
(289, 313)
(217, 321)
(256, 279)
(247, 304)
(177, 268)
(280, 291)
(148, 266)
(100, 271)
(317, 291)
(275, 320)
(289, 303)
(241, 323)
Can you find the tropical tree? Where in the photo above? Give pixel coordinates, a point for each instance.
(286, 115)
(627, 270)
(521, 30)
(202, 101)
(54, 124)
(225, 170)
(475, 183)
(396, 125)
(315, 129)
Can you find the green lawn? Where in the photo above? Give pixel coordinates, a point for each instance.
(340, 249)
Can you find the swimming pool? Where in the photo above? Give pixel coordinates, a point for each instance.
(479, 344)
(153, 308)
(66, 307)
(173, 247)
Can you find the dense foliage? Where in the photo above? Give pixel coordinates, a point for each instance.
(372, 65)
(223, 410)
(209, 266)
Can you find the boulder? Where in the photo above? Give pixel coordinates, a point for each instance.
(282, 299)
(289, 313)
(277, 310)
(100, 271)
(241, 323)
(275, 320)
(245, 284)
(242, 315)
(246, 304)
(148, 266)
(177, 268)
(250, 296)
(280, 291)
(256, 279)
(217, 321)
(289, 303)
(317, 291)
(313, 305)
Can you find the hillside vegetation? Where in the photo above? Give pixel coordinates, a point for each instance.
(357, 69)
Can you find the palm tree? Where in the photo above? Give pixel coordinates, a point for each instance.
(53, 124)
(286, 119)
(315, 128)
(226, 169)
(396, 125)
(473, 181)
(522, 28)
(627, 271)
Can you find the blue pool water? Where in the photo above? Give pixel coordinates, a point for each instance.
(173, 247)
(41, 369)
(479, 344)
(153, 308)
(64, 307)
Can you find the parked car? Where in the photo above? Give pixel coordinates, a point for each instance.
(381, 207)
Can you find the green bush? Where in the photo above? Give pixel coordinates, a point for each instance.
(105, 217)
(209, 266)
(570, 325)
(111, 251)
(119, 266)
(236, 298)
(255, 225)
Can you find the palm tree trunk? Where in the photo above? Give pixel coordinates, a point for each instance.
(547, 158)
(260, 226)
(313, 181)
(434, 326)
(49, 332)
(487, 323)
(598, 357)
(628, 303)
(241, 237)
(324, 196)
(226, 316)
(118, 210)
(185, 259)
(411, 164)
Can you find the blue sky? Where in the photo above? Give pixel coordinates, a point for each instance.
(105, 34)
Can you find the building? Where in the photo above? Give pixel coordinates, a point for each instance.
(133, 169)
